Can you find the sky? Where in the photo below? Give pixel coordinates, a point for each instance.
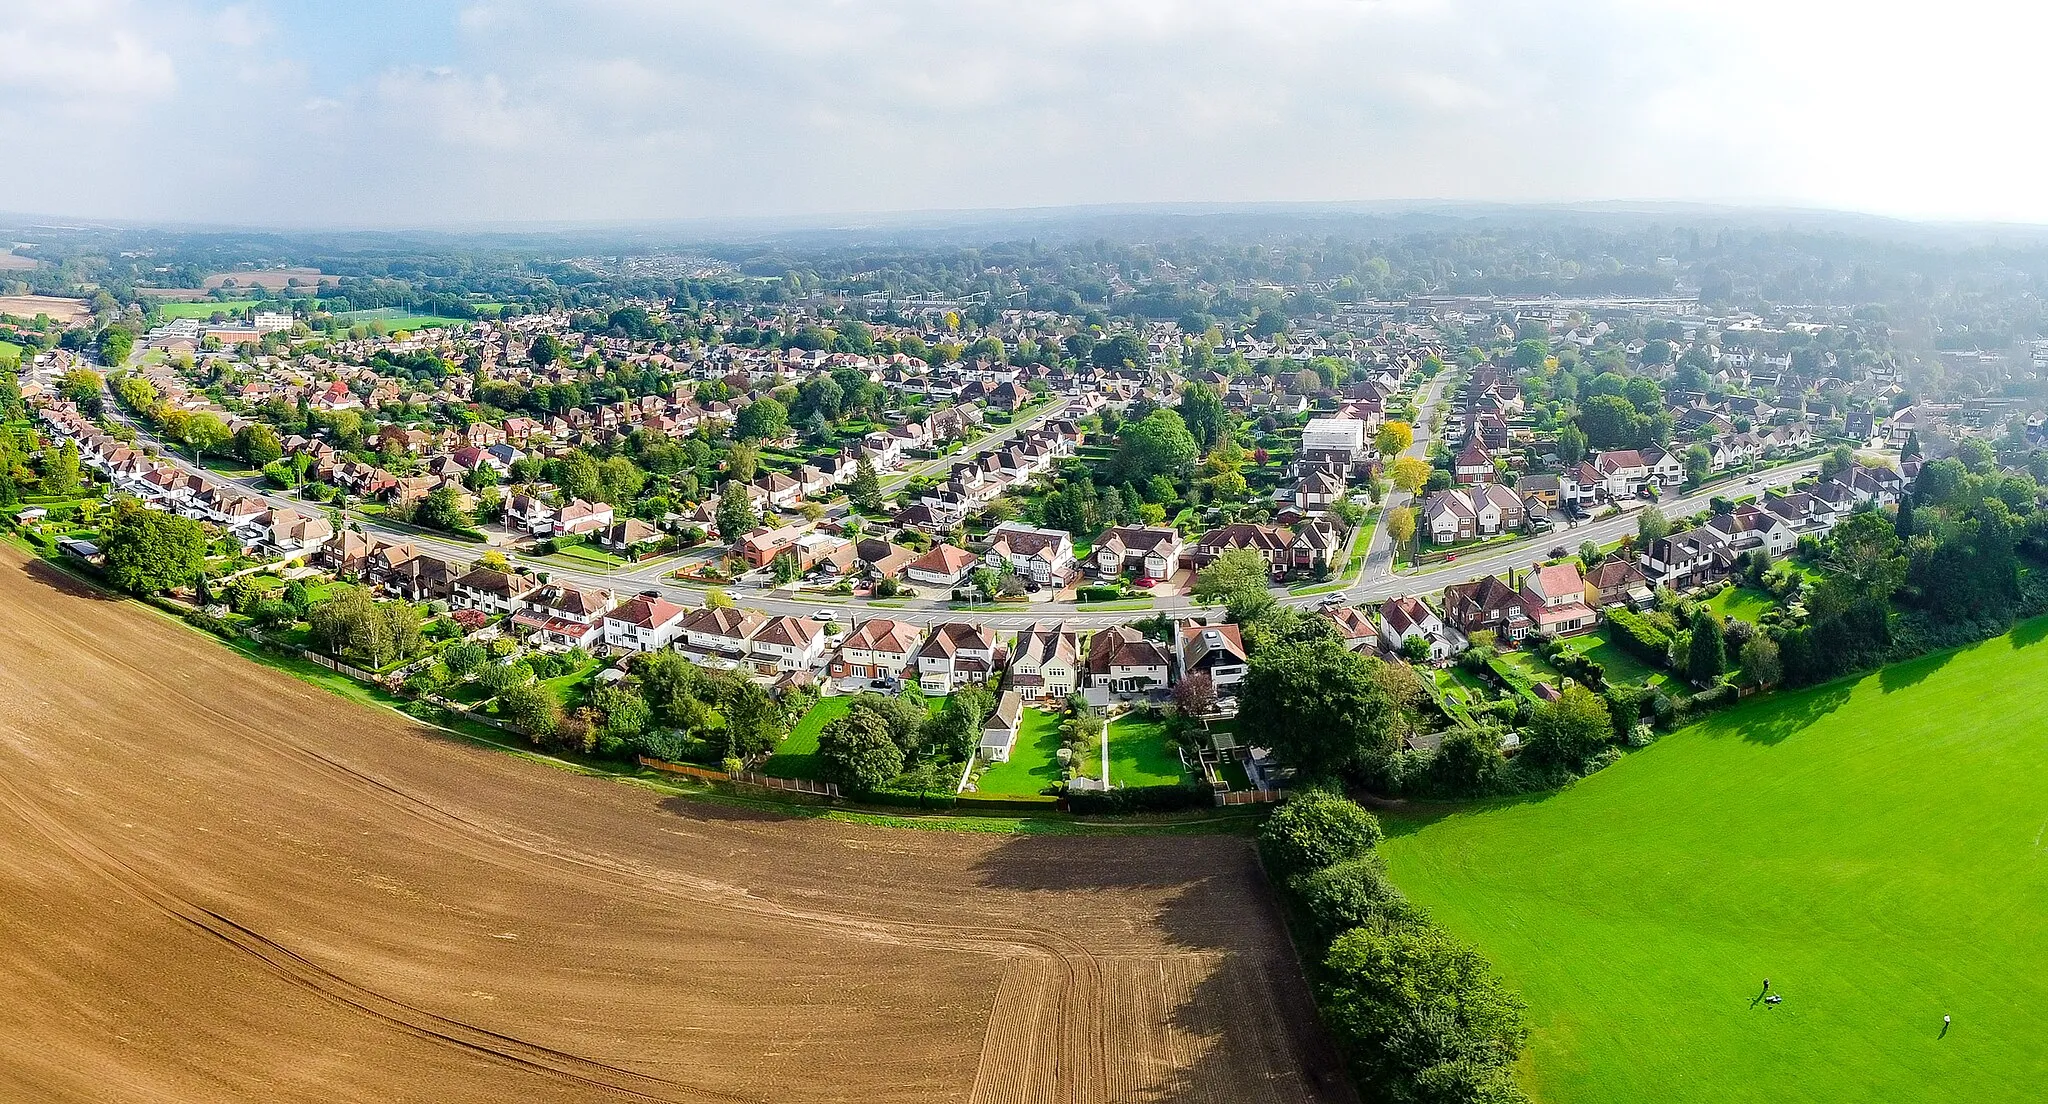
(382, 113)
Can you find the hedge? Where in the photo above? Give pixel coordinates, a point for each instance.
(1140, 799)
(1640, 635)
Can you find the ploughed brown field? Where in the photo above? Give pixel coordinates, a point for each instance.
(219, 883)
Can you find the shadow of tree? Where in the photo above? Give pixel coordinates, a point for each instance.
(1260, 1035)
(1900, 676)
(2028, 633)
(70, 584)
(1771, 721)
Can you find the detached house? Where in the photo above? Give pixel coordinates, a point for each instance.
(1046, 663)
(879, 648)
(956, 655)
(1405, 618)
(1555, 598)
(789, 643)
(1213, 650)
(563, 615)
(1149, 550)
(582, 517)
(1122, 660)
(644, 624)
(491, 590)
(1044, 556)
(722, 632)
(944, 565)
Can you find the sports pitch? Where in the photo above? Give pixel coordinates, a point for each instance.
(1878, 850)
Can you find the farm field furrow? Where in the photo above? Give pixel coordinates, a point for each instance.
(224, 884)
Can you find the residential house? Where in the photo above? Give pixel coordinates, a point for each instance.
(1044, 556)
(580, 517)
(944, 565)
(879, 648)
(644, 624)
(1473, 464)
(1046, 663)
(1487, 605)
(1406, 618)
(999, 732)
(1555, 597)
(1355, 628)
(1149, 550)
(790, 643)
(628, 536)
(722, 632)
(958, 654)
(1617, 581)
(491, 590)
(563, 615)
(1122, 660)
(1213, 650)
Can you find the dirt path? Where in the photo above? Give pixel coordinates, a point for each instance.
(218, 883)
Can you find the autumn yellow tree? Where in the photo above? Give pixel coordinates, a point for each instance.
(1410, 474)
(1394, 437)
(1401, 524)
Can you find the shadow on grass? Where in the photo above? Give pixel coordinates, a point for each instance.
(2028, 633)
(1902, 676)
(1772, 720)
(1406, 817)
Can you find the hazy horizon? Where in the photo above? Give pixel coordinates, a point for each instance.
(504, 113)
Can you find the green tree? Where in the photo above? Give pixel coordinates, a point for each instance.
(1158, 444)
(858, 751)
(764, 419)
(865, 490)
(443, 508)
(150, 551)
(1314, 829)
(1651, 525)
(1422, 1017)
(532, 708)
(1707, 654)
(1569, 731)
(736, 515)
(754, 723)
(1319, 706)
(1699, 464)
(257, 445)
(1760, 661)
(1201, 411)
(1235, 570)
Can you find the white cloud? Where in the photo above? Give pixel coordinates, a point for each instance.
(547, 109)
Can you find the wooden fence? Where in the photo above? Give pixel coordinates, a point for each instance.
(1250, 797)
(744, 778)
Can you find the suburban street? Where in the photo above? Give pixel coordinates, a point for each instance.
(1377, 580)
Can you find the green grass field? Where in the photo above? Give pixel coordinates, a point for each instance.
(1141, 755)
(1879, 850)
(1034, 762)
(205, 308)
(1742, 602)
(797, 755)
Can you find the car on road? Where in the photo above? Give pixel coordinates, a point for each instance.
(826, 615)
(1333, 601)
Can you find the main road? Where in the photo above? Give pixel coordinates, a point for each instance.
(1377, 580)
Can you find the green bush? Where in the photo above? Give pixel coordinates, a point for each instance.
(1640, 635)
(1315, 829)
(1353, 894)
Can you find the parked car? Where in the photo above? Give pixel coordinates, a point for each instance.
(1147, 582)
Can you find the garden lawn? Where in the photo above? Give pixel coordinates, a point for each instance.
(1034, 763)
(1141, 755)
(1877, 849)
(1620, 664)
(1742, 602)
(797, 755)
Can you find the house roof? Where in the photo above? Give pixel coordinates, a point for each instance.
(944, 559)
(1557, 580)
(1123, 646)
(646, 612)
(880, 634)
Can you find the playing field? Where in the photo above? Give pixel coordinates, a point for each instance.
(219, 883)
(1879, 851)
(205, 308)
